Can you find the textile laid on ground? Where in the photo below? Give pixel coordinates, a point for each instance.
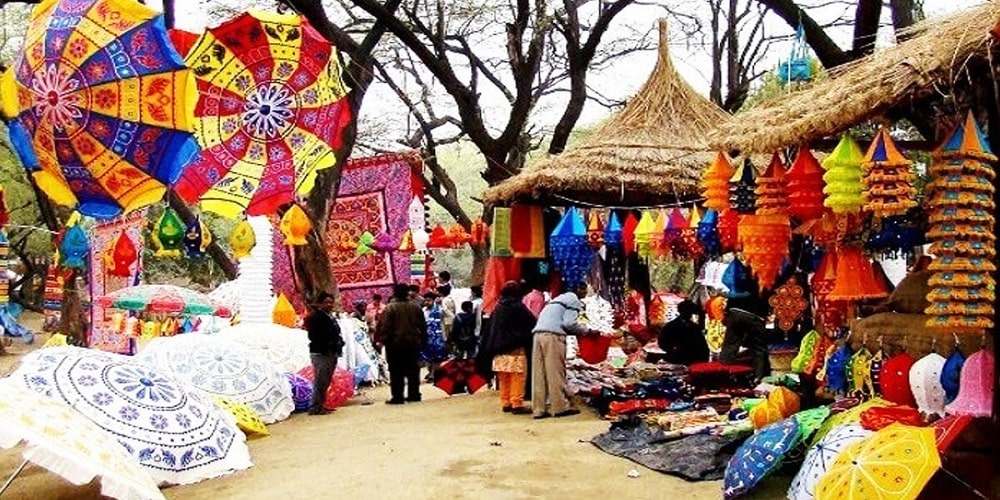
(374, 196)
(701, 457)
(144, 409)
(102, 335)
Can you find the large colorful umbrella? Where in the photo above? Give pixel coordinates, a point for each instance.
(894, 463)
(851, 416)
(269, 115)
(163, 299)
(177, 436)
(811, 420)
(97, 101)
(285, 348)
(821, 457)
(759, 456)
(220, 367)
(65, 442)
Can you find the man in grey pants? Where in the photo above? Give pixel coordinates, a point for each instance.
(325, 346)
(548, 358)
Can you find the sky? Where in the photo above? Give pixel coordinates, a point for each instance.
(619, 82)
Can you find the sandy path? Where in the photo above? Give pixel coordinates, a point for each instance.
(459, 447)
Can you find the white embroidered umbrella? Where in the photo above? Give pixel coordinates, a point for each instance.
(177, 436)
(219, 367)
(285, 348)
(66, 443)
(821, 457)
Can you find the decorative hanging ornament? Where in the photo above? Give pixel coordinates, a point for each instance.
(168, 235)
(295, 225)
(595, 230)
(789, 303)
(961, 232)
(805, 187)
(772, 189)
(628, 233)
(674, 226)
(844, 186)
(613, 231)
(365, 242)
(479, 232)
(242, 240)
(689, 245)
(384, 242)
(570, 252)
(438, 238)
(742, 185)
(284, 313)
(716, 183)
(764, 241)
(197, 238)
(457, 236)
(888, 178)
(975, 393)
(855, 277)
(729, 230)
(406, 242)
(74, 248)
(708, 234)
(644, 232)
(120, 255)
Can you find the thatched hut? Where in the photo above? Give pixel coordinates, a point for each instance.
(651, 152)
(935, 73)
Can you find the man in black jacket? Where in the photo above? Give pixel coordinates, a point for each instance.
(325, 346)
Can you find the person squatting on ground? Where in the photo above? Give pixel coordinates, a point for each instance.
(558, 319)
(746, 312)
(509, 341)
(682, 339)
(402, 329)
(325, 346)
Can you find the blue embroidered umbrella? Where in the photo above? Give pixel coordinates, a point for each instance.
(98, 105)
(759, 456)
(570, 252)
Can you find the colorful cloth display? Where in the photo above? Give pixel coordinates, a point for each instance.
(104, 334)
(527, 232)
(961, 233)
(375, 195)
(570, 252)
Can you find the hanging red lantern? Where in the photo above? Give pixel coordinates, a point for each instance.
(120, 256)
(729, 222)
(479, 231)
(805, 187)
(438, 238)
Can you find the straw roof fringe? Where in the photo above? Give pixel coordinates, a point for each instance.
(872, 87)
(651, 152)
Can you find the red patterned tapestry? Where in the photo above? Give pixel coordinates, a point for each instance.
(374, 195)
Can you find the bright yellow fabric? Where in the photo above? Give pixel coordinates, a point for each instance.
(246, 419)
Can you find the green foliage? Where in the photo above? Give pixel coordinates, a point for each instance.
(464, 164)
(25, 217)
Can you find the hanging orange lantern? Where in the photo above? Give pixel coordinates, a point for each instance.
(595, 230)
(716, 183)
(457, 236)
(764, 240)
(856, 279)
(295, 225)
(728, 229)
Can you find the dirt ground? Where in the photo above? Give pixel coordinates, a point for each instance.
(457, 447)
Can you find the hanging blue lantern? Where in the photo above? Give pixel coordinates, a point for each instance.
(571, 253)
(708, 234)
(797, 67)
(74, 248)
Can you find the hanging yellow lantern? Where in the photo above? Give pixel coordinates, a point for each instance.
(284, 313)
(242, 240)
(295, 225)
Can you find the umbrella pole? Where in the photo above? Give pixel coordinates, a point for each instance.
(946, 471)
(20, 468)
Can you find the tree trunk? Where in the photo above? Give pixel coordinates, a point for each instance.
(73, 320)
(866, 21)
(480, 256)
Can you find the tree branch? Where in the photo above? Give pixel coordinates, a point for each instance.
(829, 53)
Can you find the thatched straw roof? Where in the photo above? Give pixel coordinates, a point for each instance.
(876, 86)
(651, 152)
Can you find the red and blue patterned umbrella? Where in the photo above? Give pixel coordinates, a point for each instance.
(98, 105)
(759, 456)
